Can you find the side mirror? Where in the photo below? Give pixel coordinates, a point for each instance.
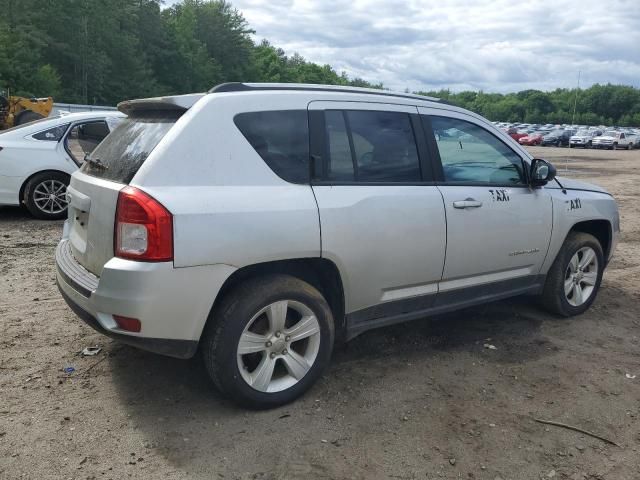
(541, 172)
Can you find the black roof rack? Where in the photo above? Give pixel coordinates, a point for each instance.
(251, 87)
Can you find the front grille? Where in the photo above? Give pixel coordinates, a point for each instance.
(75, 274)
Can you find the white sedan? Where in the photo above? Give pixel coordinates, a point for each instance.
(37, 159)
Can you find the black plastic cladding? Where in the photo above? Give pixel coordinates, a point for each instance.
(243, 87)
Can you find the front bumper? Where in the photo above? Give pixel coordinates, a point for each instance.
(172, 304)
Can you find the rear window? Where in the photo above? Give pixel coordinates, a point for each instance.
(281, 138)
(121, 154)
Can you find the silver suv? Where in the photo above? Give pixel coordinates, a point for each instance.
(257, 223)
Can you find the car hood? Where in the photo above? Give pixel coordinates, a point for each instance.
(579, 137)
(571, 184)
(605, 138)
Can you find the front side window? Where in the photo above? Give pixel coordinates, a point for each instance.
(370, 146)
(281, 138)
(52, 134)
(83, 138)
(469, 153)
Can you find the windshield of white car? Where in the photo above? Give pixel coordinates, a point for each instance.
(610, 133)
(583, 133)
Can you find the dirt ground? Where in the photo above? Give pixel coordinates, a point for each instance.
(419, 400)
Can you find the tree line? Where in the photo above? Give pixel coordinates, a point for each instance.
(596, 105)
(104, 51)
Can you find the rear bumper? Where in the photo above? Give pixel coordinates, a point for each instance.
(171, 348)
(172, 304)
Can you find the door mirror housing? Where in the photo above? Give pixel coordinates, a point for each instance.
(541, 172)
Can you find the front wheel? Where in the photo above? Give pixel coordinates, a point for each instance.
(268, 341)
(45, 195)
(575, 276)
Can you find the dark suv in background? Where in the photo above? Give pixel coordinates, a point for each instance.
(558, 138)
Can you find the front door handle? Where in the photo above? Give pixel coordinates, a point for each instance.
(468, 203)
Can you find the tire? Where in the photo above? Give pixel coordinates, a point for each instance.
(27, 116)
(554, 296)
(39, 187)
(614, 146)
(629, 146)
(589, 144)
(242, 313)
(558, 144)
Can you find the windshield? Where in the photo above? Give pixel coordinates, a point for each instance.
(610, 133)
(122, 153)
(583, 133)
(555, 132)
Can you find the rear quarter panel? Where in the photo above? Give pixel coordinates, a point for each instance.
(228, 205)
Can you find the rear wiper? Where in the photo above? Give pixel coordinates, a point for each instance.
(95, 162)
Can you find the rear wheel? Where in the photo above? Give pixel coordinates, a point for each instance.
(45, 195)
(614, 147)
(27, 116)
(629, 146)
(268, 341)
(575, 276)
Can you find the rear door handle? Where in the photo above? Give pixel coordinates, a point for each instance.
(468, 203)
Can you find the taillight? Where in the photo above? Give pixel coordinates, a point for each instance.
(144, 228)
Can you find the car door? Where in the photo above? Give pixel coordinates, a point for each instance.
(498, 228)
(381, 217)
(82, 138)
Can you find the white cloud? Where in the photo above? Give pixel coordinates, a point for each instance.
(494, 45)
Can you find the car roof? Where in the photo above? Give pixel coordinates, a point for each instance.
(62, 119)
(184, 102)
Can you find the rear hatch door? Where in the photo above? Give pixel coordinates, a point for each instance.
(93, 191)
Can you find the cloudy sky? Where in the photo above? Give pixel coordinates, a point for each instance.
(494, 45)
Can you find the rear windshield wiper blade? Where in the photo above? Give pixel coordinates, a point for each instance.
(96, 162)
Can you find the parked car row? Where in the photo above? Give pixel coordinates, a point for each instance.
(572, 136)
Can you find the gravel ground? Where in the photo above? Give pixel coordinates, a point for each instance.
(419, 400)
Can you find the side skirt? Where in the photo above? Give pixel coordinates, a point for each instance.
(415, 308)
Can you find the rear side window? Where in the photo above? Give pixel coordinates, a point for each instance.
(281, 138)
(370, 146)
(122, 153)
(52, 134)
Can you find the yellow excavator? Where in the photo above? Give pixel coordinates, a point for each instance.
(15, 110)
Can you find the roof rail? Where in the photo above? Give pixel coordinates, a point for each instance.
(251, 87)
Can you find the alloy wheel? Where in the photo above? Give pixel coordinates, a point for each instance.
(50, 196)
(581, 276)
(278, 346)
